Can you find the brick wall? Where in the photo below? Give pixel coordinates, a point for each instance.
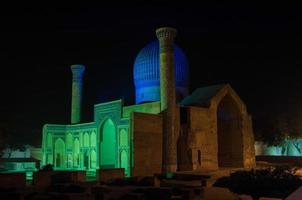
(147, 144)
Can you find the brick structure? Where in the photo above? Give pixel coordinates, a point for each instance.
(216, 130)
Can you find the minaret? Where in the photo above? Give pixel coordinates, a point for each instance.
(76, 99)
(166, 37)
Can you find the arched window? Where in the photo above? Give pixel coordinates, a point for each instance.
(69, 141)
(86, 140)
(93, 159)
(93, 139)
(59, 153)
(76, 153)
(49, 140)
(123, 138)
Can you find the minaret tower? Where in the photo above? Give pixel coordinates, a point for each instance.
(76, 99)
(166, 37)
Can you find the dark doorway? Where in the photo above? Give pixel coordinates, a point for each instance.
(86, 160)
(199, 157)
(58, 160)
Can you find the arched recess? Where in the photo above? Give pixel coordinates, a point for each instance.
(49, 159)
(93, 139)
(108, 145)
(69, 141)
(93, 159)
(69, 160)
(49, 140)
(123, 138)
(86, 140)
(59, 153)
(229, 133)
(125, 162)
(124, 157)
(86, 159)
(76, 153)
(49, 156)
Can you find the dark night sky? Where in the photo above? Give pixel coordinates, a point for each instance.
(257, 50)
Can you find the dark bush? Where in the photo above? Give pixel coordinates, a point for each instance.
(271, 182)
(48, 167)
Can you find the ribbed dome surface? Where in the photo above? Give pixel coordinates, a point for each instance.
(146, 73)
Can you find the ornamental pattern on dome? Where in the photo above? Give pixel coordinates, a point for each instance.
(146, 73)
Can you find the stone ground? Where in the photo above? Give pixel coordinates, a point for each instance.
(214, 175)
(207, 192)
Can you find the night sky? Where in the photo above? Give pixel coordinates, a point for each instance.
(257, 50)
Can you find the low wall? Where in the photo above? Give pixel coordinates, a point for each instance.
(105, 175)
(42, 179)
(13, 180)
(291, 160)
(68, 177)
(46, 178)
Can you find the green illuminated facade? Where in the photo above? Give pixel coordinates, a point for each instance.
(103, 143)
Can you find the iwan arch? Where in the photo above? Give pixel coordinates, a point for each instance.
(167, 130)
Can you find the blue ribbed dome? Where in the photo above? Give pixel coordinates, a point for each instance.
(146, 73)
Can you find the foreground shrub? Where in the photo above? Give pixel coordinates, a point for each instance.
(271, 182)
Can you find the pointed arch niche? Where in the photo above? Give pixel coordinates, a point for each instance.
(59, 153)
(108, 147)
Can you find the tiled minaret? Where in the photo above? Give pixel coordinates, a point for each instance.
(77, 85)
(166, 37)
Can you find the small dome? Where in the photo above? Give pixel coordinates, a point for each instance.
(146, 73)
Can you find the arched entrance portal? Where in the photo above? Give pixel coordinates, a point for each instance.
(229, 133)
(59, 153)
(108, 153)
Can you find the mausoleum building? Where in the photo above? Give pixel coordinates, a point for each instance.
(167, 130)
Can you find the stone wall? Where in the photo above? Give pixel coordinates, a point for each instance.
(287, 160)
(248, 142)
(12, 180)
(212, 141)
(46, 178)
(68, 177)
(147, 144)
(105, 175)
(202, 126)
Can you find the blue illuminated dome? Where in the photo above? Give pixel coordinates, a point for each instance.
(146, 73)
